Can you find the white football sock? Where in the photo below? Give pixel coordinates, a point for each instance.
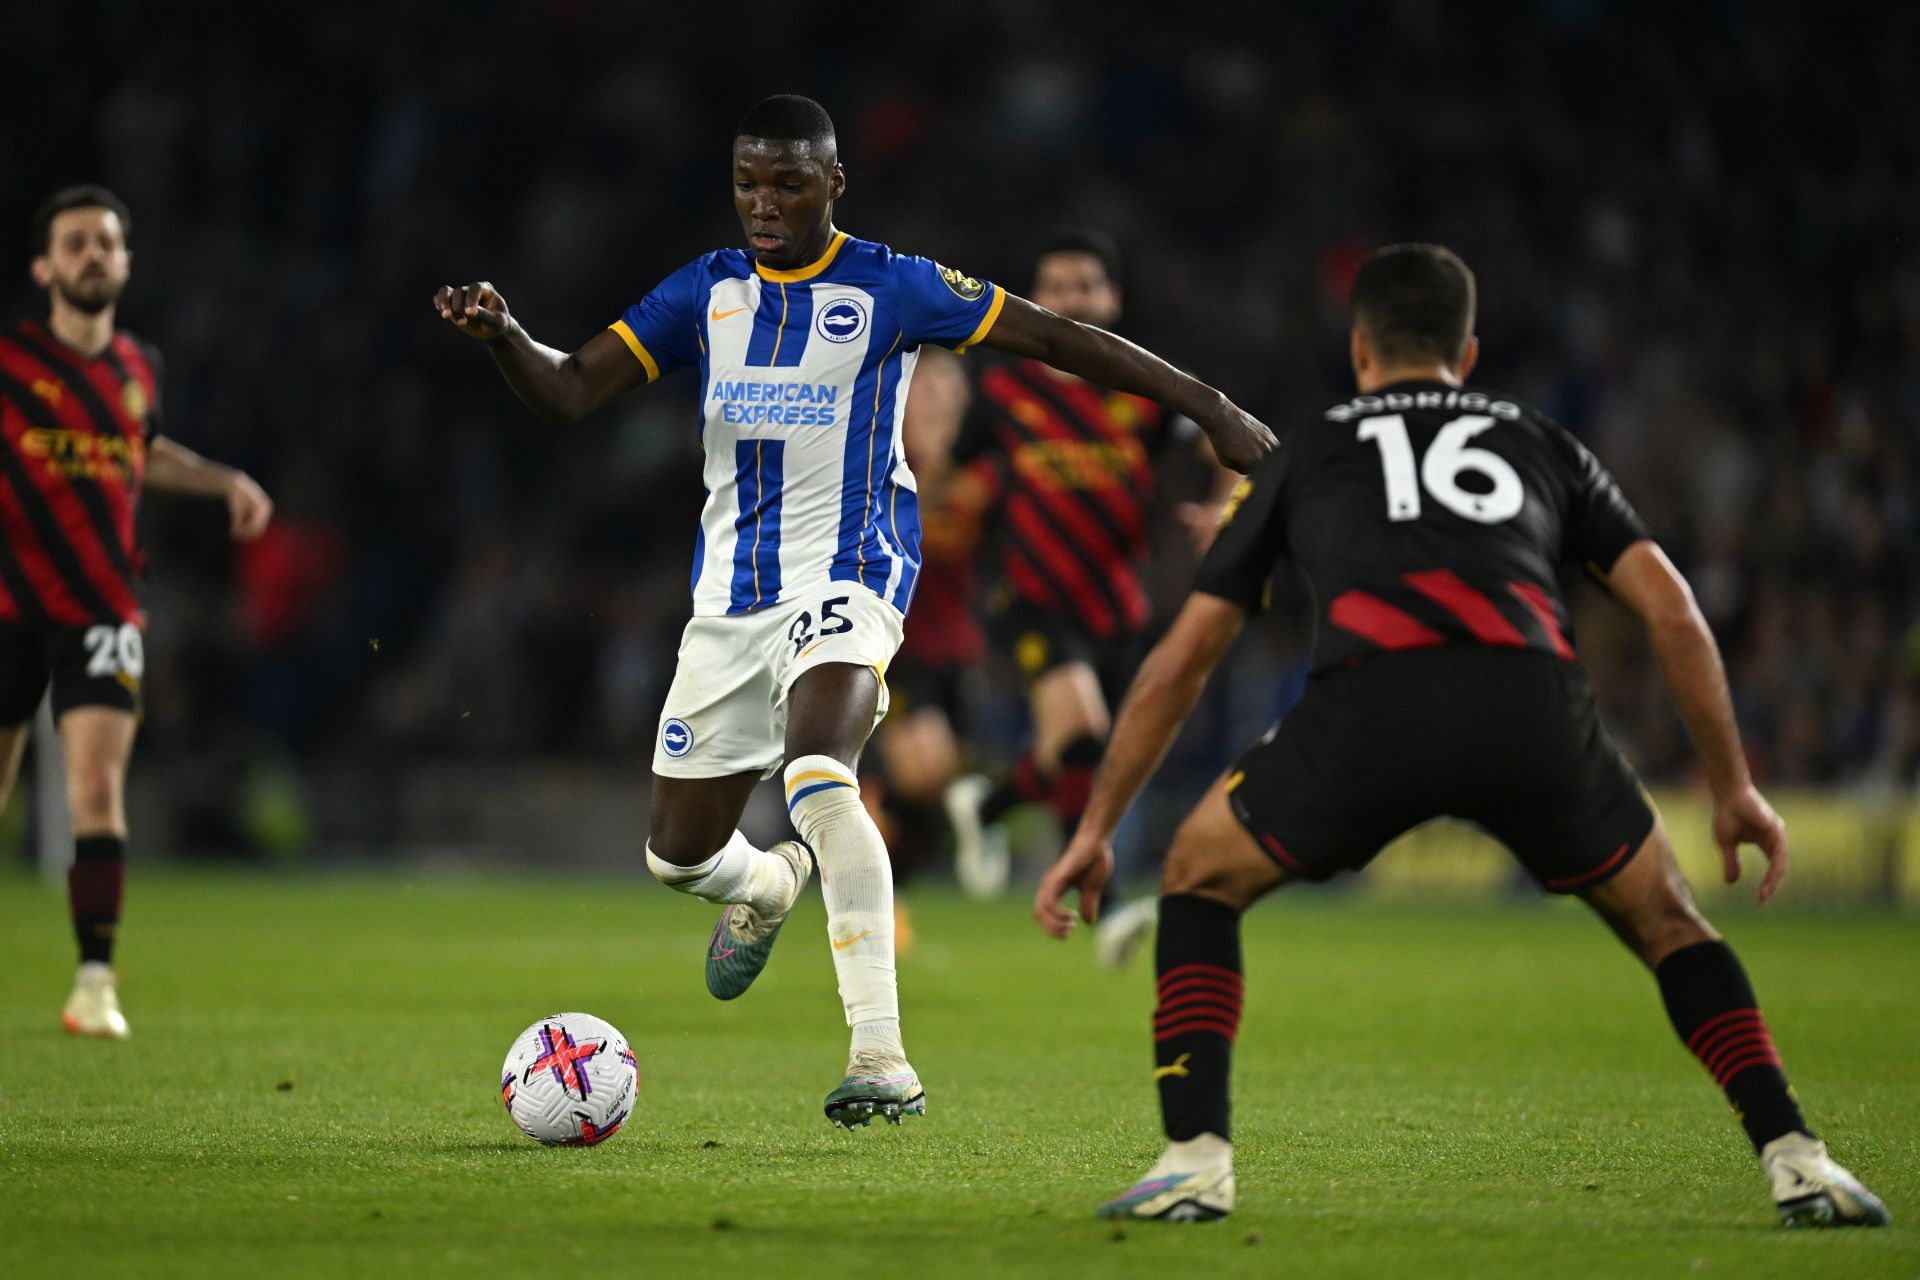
(738, 873)
(857, 881)
(1207, 1151)
(877, 1038)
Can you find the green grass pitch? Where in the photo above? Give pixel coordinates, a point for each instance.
(1423, 1091)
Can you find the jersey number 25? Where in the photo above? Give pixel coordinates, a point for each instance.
(1448, 458)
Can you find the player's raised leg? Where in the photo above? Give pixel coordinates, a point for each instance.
(1714, 1011)
(1213, 873)
(98, 742)
(1070, 725)
(694, 846)
(717, 740)
(831, 711)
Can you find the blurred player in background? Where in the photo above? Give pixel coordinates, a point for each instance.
(1076, 466)
(917, 747)
(808, 548)
(80, 411)
(1432, 520)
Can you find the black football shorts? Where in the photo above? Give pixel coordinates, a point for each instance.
(915, 685)
(1041, 639)
(96, 666)
(1508, 740)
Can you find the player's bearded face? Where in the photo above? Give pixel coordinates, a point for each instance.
(784, 192)
(87, 263)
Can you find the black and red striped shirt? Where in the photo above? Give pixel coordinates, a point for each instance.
(1424, 515)
(942, 632)
(1077, 480)
(76, 431)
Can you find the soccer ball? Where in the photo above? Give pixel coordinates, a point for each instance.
(569, 1080)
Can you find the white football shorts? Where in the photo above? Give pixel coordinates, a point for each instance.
(726, 712)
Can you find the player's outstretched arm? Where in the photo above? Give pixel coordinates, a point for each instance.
(1157, 704)
(557, 386)
(1648, 583)
(1239, 439)
(174, 468)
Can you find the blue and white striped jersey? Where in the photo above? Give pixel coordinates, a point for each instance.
(803, 385)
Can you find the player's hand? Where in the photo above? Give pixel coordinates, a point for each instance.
(1239, 439)
(476, 310)
(249, 506)
(1745, 817)
(1086, 865)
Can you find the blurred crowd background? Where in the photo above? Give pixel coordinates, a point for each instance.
(1694, 227)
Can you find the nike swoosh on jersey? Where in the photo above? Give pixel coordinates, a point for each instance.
(718, 314)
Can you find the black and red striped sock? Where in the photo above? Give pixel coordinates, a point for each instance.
(1197, 1015)
(1026, 784)
(95, 884)
(1073, 779)
(1713, 1008)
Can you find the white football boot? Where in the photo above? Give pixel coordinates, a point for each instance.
(1192, 1182)
(743, 940)
(1814, 1191)
(981, 858)
(1119, 936)
(94, 1007)
(876, 1084)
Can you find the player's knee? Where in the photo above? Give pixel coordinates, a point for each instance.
(1656, 923)
(1194, 864)
(1182, 876)
(1213, 856)
(93, 793)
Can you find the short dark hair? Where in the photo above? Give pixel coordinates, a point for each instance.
(1415, 302)
(789, 117)
(1089, 240)
(84, 196)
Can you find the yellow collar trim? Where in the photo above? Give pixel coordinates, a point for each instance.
(809, 271)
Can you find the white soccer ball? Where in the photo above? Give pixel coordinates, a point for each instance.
(569, 1080)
